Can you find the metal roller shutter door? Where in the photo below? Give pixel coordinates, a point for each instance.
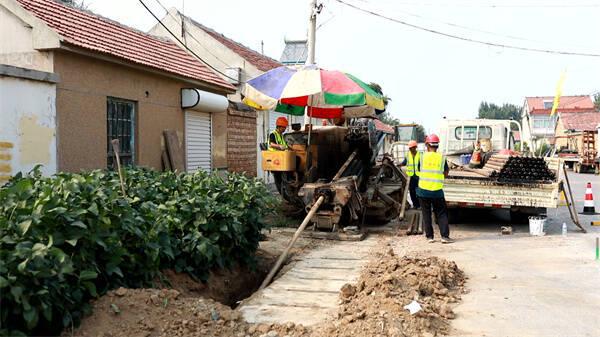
(198, 136)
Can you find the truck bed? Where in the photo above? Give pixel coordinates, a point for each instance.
(468, 189)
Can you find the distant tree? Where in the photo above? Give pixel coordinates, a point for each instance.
(75, 3)
(389, 119)
(597, 101)
(494, 111)
(420, 134)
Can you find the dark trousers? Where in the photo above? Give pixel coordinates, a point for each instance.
(412, 189)
(441, 214)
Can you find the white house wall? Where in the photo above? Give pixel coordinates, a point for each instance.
(20, 35)
(28, 126)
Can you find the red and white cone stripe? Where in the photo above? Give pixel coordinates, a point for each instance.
(588, 203)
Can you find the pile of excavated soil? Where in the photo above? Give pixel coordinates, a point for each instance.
(372, 307)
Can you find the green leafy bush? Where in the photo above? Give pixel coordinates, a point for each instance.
(71, 237)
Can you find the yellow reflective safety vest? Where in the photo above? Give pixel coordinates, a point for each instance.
(278, 139)
(431, 168)
(411, 164)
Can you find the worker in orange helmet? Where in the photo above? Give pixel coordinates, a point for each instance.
(411, 160)
(276, 140)
(433, 169)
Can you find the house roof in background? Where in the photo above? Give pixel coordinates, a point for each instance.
(581, 121)
(260, 61)
(381, 126)
(87, 30)
(295, 52)
(566, 103)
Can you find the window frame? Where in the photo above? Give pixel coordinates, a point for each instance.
(133, 134)
(476, 133)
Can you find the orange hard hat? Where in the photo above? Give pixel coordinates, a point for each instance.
(281, 121)
(412, 143)
(432, 139)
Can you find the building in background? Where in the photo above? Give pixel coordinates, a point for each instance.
(570, 127)
(89, 80)
(294, 53)
(237, 64)
(538, 126)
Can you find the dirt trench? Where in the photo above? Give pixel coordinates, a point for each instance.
(373, 306)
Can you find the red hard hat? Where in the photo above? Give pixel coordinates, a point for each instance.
(432, 139)
(281, 121)
(412, 143)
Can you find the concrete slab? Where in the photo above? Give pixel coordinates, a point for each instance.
(308, 293)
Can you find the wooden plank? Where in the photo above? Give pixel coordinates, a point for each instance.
(174, 151)
(165, 161)
(294, 298)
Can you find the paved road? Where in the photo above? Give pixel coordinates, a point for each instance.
(521, 285)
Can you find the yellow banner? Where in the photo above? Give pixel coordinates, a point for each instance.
(559, 86)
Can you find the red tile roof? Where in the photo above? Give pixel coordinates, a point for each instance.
(260, 61)
(87, 30)
(581, 121)
(381, 126)
(579, 103)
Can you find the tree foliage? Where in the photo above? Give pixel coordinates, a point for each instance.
(506, 111)
(597, 101)
(494, 111)
(420, 134)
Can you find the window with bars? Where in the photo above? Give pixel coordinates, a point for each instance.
(120, 124)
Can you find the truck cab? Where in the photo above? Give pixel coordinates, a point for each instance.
(460, 136)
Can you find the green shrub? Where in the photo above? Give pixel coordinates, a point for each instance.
(71, 237)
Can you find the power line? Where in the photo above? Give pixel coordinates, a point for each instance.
(451, 24)
(462, 38)
(185, 46)
(190, 34)
(490, 5)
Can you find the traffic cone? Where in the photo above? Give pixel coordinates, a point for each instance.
(588, 203)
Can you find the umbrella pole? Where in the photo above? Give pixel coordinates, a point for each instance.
(308, 149)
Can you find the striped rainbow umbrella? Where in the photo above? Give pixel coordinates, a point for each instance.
(325, 92)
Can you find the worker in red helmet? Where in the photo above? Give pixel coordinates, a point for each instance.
(276, 141)
(433, 169)
(411, 160)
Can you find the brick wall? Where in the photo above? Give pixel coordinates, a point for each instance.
(241, 141)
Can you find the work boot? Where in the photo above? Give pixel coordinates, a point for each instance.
(447, 240)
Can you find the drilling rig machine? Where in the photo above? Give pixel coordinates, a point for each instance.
(343, 165)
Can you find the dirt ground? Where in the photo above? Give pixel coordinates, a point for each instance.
(374, 306)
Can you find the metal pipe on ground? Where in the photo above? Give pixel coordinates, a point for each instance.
(285, 253)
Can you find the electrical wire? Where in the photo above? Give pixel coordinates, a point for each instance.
(466, 39)
(491, 5)
(185, 46)
(191, 35)
(451, 24)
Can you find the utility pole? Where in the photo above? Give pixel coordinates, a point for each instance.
(312, 32)
(312, 39)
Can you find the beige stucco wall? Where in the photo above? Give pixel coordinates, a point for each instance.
(81, 102)
(20, 35)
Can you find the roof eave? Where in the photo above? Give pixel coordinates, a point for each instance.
(116, 60)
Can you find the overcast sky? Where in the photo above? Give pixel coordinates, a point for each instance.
(427, 76)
